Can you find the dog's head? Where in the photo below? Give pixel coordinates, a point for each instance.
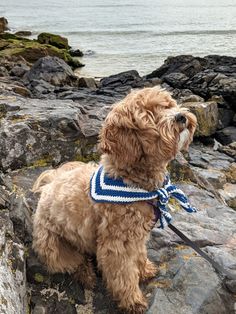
(147, 123)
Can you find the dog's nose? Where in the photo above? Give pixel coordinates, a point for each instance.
(180, 118)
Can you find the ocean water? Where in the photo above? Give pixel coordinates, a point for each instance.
(130, 34)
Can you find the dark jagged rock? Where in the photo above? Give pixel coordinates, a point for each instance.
(121, 79)
(76, 53)
(211, 75)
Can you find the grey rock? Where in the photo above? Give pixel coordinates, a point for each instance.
(215, 177)
(52, 70)
(12, 269)
(48, 131)
(19, 70)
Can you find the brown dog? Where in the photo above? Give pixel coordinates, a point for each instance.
(141, 134)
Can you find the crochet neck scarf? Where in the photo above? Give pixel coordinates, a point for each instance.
(105, 189)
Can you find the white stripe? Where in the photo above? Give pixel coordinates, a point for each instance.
(116, 187)
(114, 198)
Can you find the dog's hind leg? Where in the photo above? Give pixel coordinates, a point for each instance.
(60, 256)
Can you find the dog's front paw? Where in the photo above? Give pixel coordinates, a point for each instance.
(149, 271)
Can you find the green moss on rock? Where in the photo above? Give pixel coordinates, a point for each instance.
(38, 278)
(54, 40)
(32, 50)
(90, 157)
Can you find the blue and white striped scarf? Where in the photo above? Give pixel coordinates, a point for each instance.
(105, 189)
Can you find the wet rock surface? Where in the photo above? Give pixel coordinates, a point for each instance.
(48, 116)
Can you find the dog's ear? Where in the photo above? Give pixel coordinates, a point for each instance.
(128, 133)
(118, 137)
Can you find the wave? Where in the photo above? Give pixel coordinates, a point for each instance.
(198, 32)
(151, 32)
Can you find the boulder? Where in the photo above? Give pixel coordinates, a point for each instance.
(53, 40)
(207, 116)
(3, 24)
(52, 70)
(36, 132)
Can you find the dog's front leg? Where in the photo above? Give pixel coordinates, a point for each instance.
(117, 258)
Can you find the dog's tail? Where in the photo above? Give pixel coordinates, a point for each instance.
(45, 178)
(48, 176)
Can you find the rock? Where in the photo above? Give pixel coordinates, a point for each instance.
(19, 70)
(215, 177)
(87, 82)
(176, 78)
(37, 132)
(12, 269)
(3, 24)
(229, 194)
(225, 117)
(124, 78)
(21, 91)
(227, 135)
(229, 150)
(3, 72)
(207, 116)
(52, 70)
(14, 88)
(23, 33)
(54, 40)
(191, 98)
(76, 53)
(186, 64)
(206, 77)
